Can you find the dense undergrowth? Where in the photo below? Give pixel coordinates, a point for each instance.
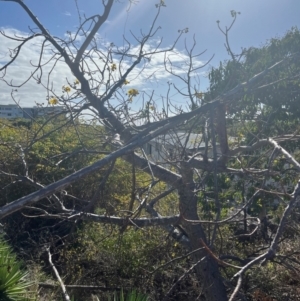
(146, 260)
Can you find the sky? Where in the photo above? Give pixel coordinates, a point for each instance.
(258, 22)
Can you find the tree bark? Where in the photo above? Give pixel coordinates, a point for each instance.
(207, 270)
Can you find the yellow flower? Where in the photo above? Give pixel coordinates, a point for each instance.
(66, 89)
(126, 82)
(199, 95)
(132, 92)
(113, 67)
(53, 101)
(76, 82)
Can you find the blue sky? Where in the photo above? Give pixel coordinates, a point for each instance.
(259, 21)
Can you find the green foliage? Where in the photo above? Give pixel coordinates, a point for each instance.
(272, 95)
(94, 252)
(51, 151)
(125, 254)
(13, 280)
(269, 109)
(130, 296)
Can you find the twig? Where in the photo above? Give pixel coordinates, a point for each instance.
(221, 262)
(62, 285)
(81, 287)
(175, 259)
(237, 288)
(181, 277)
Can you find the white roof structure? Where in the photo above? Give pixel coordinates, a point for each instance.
(180, 139)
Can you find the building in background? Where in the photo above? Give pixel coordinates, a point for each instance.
(15, 111)
(170, 146)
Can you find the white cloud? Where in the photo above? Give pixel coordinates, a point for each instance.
(25, 65)
(55, 72)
